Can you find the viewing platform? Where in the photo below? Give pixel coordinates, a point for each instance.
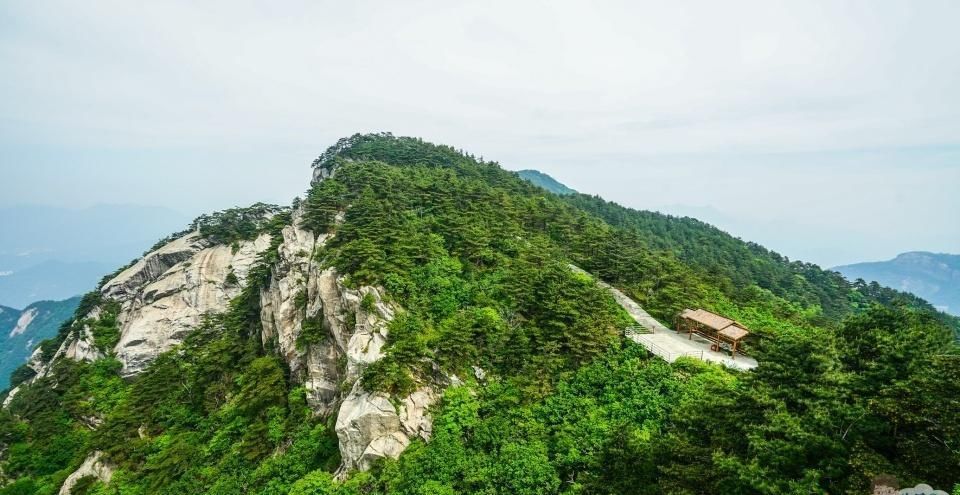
(668, 344)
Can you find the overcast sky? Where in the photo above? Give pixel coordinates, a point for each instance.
(828, 131)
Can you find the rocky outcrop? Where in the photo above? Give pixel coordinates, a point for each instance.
(165, 295)
(79, 346)
(10, 396)
(286, 303)
(326, 330)
(39, 368)
(146, 270)
(370, 427)
(94, 467)
(348, 330)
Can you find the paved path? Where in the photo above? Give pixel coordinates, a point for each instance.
(664, 342)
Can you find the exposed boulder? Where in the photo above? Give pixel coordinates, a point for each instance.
(94, 467)
(128, 283)
(369, 429)
(165, 295)
(82, 348)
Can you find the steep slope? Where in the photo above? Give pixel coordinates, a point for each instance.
(20, 334)
(934, 277)
(413, 326)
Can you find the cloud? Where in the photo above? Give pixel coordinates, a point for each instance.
(203, 105)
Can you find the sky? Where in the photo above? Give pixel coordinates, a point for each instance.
(827, 131)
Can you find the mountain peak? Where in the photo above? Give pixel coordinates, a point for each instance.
(420, 297)
(932, 276)
(385, 147)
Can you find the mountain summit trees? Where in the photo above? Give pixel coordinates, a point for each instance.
(412, 326)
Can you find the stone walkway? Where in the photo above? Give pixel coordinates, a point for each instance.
(664, 342)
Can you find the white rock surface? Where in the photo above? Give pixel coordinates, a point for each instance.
(296, 275)
(414, 413)
(165, 295)
(82, 348)
(77, 347)
(23, 322)
(10, 395)
(368, 425)
(368, 428)
(92, 466)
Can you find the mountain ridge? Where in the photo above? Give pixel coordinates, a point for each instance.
(932, 276)
(413, 324)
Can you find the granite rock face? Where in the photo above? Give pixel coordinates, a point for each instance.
(327, 330)
(165, 295)
(94, 467)
(328, 333)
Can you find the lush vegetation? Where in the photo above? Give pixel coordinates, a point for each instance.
(854, 381)
(236, 224)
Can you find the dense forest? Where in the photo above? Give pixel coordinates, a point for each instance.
(854, 380)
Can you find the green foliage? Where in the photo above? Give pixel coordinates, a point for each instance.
(455, 262)
(734, 265)
(21, 374)
(300, 300)
(854, 380)
(315, 483)
(236, 224)
(105, 328)
(311, 332)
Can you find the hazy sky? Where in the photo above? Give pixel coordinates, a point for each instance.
(828, 131)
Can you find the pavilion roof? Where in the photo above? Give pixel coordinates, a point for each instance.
(726, 327)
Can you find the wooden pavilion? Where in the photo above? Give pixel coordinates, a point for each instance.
(721, 331)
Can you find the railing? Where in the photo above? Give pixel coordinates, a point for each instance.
(659, 351)
(636, 330)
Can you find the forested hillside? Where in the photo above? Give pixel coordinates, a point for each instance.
(465, 266)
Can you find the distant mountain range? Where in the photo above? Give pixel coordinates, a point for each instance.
(21, 331)
(52, 253)
(543, 180)
(932, 276)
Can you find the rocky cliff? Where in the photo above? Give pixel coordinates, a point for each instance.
(324, 329)
(164, 295)
(328, 332)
